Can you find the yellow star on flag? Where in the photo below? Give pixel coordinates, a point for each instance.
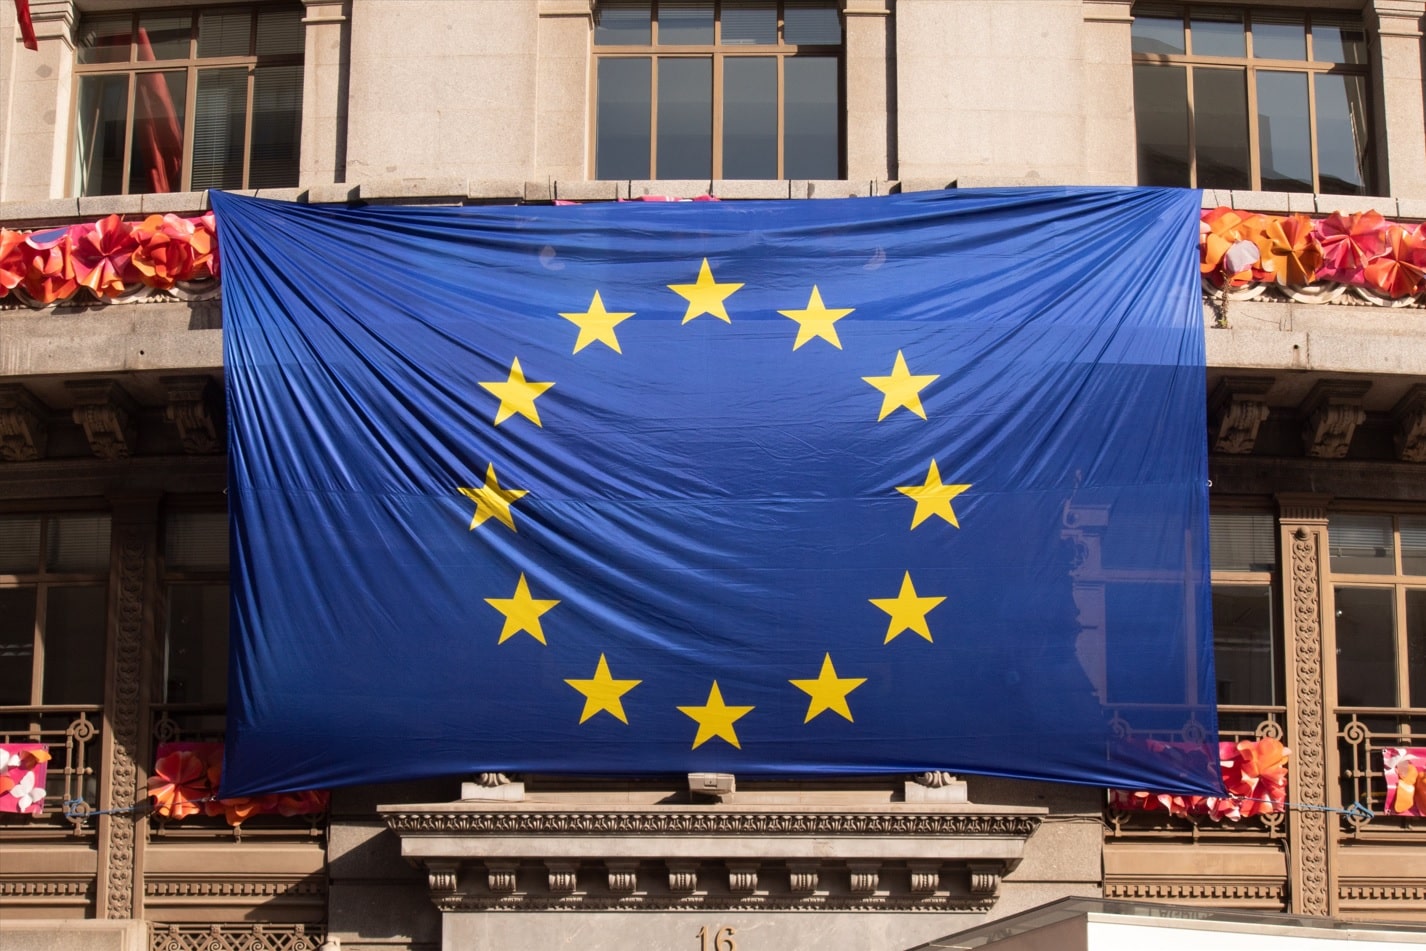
(602, 692)
(706, 296)
(715, 718)
(901, 388)
(522, 612)
(816, 320)
(828, 691)
(908, 611)
(933, 498)
(596, 325)
(493, 501)
(517, 395)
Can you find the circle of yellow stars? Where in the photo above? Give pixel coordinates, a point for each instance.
(828, 692)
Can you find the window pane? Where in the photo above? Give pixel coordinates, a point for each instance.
(1218, 34)
(280, 32)
(684, 22)
(1343, 145)
(78, 543)
(1413, 545)
(1366, 647)
(220, 115)
(622, 25)
(224, 33)
(685, 118)
(819, 25)
(1284, 134)
(156, 162)
(196, 541)
(1279, 39)
(750, 116)
(1220, 102)
(19, 544)
(1416, 646)
(1332, 43)
(621, 148)
(17, 644)
(164, 35)
(75, 619)
(197, 644)
(1161, 124)
(1245, 650)
(99, 134)
(1157, 34)
(810, 113)
(1361, 544)
(752, 25)
(277, 127)
(105, 39)
(1242, 541)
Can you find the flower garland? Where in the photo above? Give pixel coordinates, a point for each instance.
(185, 783)
(1405, 771)
(1254, 774)
(111, 258)
(22, 777)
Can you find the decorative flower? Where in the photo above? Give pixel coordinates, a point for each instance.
(12, 265)
(1405, 772)
(179, 784)
(171, 249)
(48, 271)
(1292, 254)
(1401, 271)
(102, 254)
(1348, 243)
(28, 796)
(1254, 773)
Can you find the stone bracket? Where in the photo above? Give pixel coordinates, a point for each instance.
(1330, 416)
(195, 408)
(22, 425)
(1409, 415)
(1238, 407)
(108, 416)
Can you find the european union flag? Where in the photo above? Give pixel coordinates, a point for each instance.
(849, 486)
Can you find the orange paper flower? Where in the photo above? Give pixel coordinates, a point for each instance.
(1292, 254)
(102, 254)
(179, 784)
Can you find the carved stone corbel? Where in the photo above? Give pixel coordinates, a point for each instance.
(623, 877)
(682, 877)
(562, 877)
(492, 787)
(864, 877)
(500, 877)
(442, 879)
(1238, 407)
(802, 877)
(985, 879)
(742, 877)
(1330, 416)
(935, 786)
(1409, 415)
(925, 877)
(195, 409)
(108, 416)
(22, 425)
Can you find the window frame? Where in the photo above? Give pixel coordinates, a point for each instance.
(1250, 66)
(1251, 578)
(717, 52)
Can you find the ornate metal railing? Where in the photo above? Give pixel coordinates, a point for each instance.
(235, 937)
(1363, 733)
(72, 774)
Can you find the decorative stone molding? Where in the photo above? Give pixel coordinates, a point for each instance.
(79, 888)
(1381, 891)
(623, 877)
(802, 877)
(237, 937)
(1265, 892)
(925, 877)
(492, 787)
(1331, 414)
(195, 408)
(108, 415)
(500, 877)
(935, 786)
(742, 877)
(442, 877)
(985, 879)
(1238, 408)
(235, 888)
(1409, 415)
(22, 425)
(863, 878)
(562, 876)
(682, 877)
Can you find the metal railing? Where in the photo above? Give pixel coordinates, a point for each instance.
(1362, 734)
(72, 774)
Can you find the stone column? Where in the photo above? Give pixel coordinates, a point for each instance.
(562, 89)
(1310, 667)
(35, 130)
(325, 75)
(1110, 139)
(1395, 27)
(870, 111)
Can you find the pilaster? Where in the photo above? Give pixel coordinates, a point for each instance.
(34, 134)
(870, 110)
(1396, 30)
(1110, 140)
(325, 75)
(562, 88)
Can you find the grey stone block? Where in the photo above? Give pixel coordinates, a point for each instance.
(670, 188)
(175, 203)
(566, 190)
(831, 188)
(1274, 202)
(1351, 204)
(100, 206)
(330, 194)
(24, 215)
(729, 188)
(283, 194)
(539, 191)
(507, 189)
(431, 189)
(56, 934)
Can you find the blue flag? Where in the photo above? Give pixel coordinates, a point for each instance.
(778, 488)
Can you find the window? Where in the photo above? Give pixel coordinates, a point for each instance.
(700, 89)
(181, 100)
(1246, 642)
(1269, 100)
(195, 647)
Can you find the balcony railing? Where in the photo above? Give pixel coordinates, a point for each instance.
(1363, 732)
(72, 775)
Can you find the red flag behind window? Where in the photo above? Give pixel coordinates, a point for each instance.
(27, 26)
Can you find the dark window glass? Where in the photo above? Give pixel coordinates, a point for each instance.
(1343, 145)
(164, 36)
(1416, 645)
(77, 543)
(1243, 541)
(1284, 132)
(156, 159)
(811, 25)
(685, 118)
(196, 645)
(224, 33)
(624, 24)
(1161, 124)
(1413, 545)
(754, 24)
(810, 116)
(1218, 34)
(1366, 647)
(685, 22)
(1332, 43)
(17, 645)
(273, 156)
(75, 619)
(99, 129)
(1220, 104)
(625, 104)
(750, 116)
(1361, 544)
(1244, 644)
(1279, 39)
(1157, 34)
(219, 127)
(19, 544)
(196, 541)
(280, 32)
(105, 39)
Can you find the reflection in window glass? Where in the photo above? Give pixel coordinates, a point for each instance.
(1157, 34)
(1366, 647)
(1161, 122)
(101, 111)
(1284, 132)
(1279, 39)
(105, 39)
(1218, 34)
(74, 637)
(164, 36)
(1220, 100)
(685, 118)
(810, 145)
(625, 104)
(819, 25)
(685, 22)
(1244, 645)
(219, 127)
(750, 117)
(1343, 146)
(753, 24)
(1338, 44)
(156, 158)
(623, 24)
(1361, 544)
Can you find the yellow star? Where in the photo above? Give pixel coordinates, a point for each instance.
(901, 388)
(706, 296)
(715, 718)
(908, 611)
(828, 691)
(816, 320)
(602, 692)
(933, 498)
(596, 325)
(517, 395)
(522, 612)
(493, 501)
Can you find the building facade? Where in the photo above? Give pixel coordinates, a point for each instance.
(113, 544)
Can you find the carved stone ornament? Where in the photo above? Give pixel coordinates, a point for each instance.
(925, 877)
(441, 878)
(1330, 416)
(1410, 418)
(742, 877)
(623, 877)
(863, 877)
(562, 877)
(682, 877)
(195, 409)
(22, 425)
(673, 823)
(1238, 407)
(500, 877)
(108, 416)
(802, 877)
(985, 879)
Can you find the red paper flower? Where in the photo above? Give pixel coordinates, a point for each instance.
(102, 254)
(171, 249)
(12, 264)
(48, 271)
(1348, 243)
(179, 784)
(1401, 271)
